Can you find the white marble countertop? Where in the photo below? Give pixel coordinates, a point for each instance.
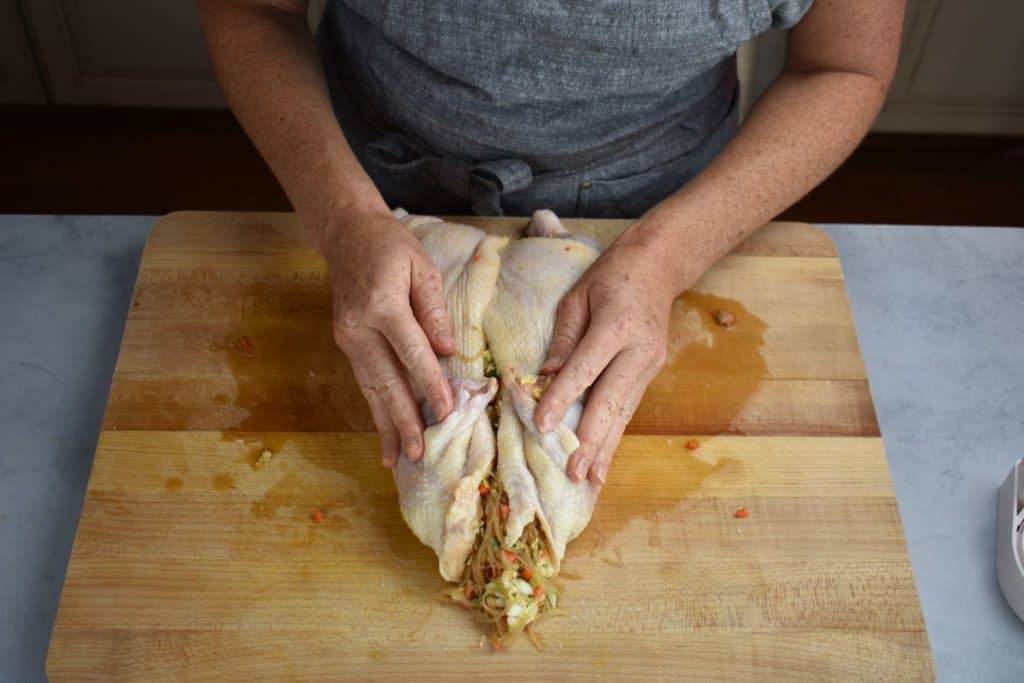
(940, 318)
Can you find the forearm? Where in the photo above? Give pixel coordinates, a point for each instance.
(268, 68)
(801, 129)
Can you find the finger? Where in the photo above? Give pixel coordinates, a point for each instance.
(427, 298)
(413, 349)
(382, 377)
(389, 439)
(570, 325)
(597, 348)
(598, 473)
(610, 406)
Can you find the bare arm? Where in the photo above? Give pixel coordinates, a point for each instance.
(612, 326)
(267, 65)
(840, 62)
(388, 302)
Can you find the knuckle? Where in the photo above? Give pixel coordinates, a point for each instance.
(567, 305)
(431, 279)
(436, 314)
(348, 316)
(380, 305)
(628, 407)
(342, 336)
(581, 374)
(410, 353)
(561, 339)
(383, 385)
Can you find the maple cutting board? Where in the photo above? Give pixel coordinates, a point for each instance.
(191, 563)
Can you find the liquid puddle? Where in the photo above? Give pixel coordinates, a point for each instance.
(710, 373)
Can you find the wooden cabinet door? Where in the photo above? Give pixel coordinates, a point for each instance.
(122, 52)
(19, 77)
(961, 69)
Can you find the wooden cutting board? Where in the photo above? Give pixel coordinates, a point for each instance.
(190, 563)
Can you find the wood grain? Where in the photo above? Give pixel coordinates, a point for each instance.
(223, 573)
(790, 366)
(191, 563)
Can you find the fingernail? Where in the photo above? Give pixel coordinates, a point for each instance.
(600, 471)
(547, 422)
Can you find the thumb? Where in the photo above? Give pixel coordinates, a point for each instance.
(427, 299)
(571, 320)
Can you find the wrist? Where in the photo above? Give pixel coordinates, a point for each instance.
(668, 249)
(341, 219)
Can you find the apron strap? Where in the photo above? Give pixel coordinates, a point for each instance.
(481, 183)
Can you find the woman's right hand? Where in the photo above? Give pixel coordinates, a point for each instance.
(390, 320)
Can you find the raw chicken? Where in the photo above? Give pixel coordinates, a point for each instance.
(501, 297)
(438, 493)
(518, 323)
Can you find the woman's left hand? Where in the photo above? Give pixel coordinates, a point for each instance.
(611, 327)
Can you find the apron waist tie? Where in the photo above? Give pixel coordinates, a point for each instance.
(482, 183)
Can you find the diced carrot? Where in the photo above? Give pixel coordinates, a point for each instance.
(538, 592)
(509, 555)
(741, 513)
(484, 488)
(244, 345)
(495, 643)
(526, 573)
(318, 516)
(692, 444)
(476, 257)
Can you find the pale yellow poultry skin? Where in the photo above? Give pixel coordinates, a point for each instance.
(501, 295)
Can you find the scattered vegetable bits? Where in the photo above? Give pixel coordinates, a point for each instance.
(490, 369)
(244, 346)
(263, 459)
(741, 512)
(318, 516)
(692, 445)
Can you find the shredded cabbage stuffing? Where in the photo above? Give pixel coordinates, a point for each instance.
(511, 587)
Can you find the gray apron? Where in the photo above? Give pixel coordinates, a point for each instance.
(494, 107)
